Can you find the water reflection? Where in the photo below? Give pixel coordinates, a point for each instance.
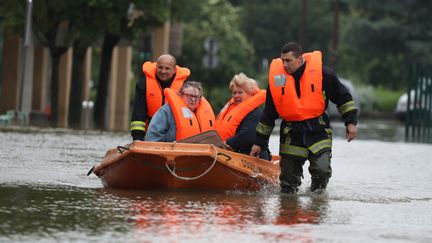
(33, 210)
(45, 210)
(202, 214)
(302, 210)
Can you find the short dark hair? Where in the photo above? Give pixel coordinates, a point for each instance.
(292, 47)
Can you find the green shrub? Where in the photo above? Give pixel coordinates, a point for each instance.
(385, 99)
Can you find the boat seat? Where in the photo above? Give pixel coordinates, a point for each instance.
(209, 137)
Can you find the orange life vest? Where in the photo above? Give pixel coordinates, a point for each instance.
(153, 88)
(190, 123)
(232, 115)
(289, 106)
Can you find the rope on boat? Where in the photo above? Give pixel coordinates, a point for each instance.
(172, 171)
(121, 149)
(163, 168)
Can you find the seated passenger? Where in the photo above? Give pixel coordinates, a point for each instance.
(186, 113)
(237, 121)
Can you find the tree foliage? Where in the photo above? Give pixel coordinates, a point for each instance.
(217, 19)
(124, 20)
(270, 25)
(378, 40)
(12, 15)
(382, 39)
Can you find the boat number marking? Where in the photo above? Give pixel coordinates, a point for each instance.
(246, 164)
(250, 166)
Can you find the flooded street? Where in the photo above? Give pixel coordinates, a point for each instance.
(381, 191)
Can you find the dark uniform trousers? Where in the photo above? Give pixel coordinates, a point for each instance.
(292, 171)
(302, 142)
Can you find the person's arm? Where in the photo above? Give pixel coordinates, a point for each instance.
(245, 133)
(139, 113)
(337, 93)
(162, 126)
(265, 126)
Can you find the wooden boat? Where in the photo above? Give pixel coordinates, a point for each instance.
(160, 165)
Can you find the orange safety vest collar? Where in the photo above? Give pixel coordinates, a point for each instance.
(190, 123)
(232, 115)
(153, 89)
(289, 106)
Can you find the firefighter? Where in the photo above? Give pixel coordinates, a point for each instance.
(149, 95)
(299, 90)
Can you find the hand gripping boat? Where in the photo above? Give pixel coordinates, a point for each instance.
(179, 165)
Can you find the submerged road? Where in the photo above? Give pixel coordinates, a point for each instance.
(380, 192)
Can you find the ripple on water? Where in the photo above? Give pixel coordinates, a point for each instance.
(377, 189)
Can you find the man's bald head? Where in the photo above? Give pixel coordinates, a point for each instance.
(167, 58)
(166, 67)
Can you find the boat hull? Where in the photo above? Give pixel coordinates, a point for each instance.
(150, 165)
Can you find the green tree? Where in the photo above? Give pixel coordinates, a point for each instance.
(381, 39)
(119, 24)
(85, 31)
(51, 22)
(217, 19)
(61, 24)
(270, 25)
(55, 25)
(12, 17)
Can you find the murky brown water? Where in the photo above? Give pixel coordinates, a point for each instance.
(380, 192)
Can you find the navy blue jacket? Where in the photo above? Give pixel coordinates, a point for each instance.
(245, 135)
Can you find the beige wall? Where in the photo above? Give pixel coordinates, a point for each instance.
(65, 71)
(119, 89)
(40, 78)
(11, 73)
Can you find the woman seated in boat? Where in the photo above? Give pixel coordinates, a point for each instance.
(186, 113)
(238, 119)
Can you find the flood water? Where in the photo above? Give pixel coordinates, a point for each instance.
(381, 191)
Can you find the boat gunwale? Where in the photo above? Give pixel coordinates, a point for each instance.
(171, 150)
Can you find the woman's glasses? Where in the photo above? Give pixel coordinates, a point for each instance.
(192, 97)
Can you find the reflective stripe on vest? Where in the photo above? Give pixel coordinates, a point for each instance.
(289, 106)
(153, 89)
(232, 115)
(189, 123)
